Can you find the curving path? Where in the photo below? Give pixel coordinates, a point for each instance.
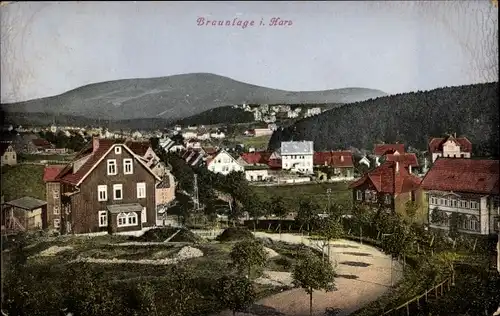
(364, 275)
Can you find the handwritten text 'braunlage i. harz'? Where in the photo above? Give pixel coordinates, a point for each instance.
(274, 22)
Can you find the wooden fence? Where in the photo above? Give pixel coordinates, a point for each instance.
(420, 301)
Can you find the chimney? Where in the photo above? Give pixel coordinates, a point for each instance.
(454, 135)
(397, 166)
(409, 168)
(95, 143)
(342, 158)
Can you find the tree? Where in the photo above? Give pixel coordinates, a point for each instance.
(306, 213)
(278, 208)
(247, 255)
(235, 293)
(312, 274)
(448, 259)
(181, 292)
(397, 244)
(411, 209)
(330, 229)
(255, 208)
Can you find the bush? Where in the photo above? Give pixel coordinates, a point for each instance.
(162, 234)
(285, 262)
(234, 234)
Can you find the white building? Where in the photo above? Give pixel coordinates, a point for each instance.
(189, 135)
(467, 189)
(218, 135)
(312, 112)
(297, 156)
(450, 146)
(224, 163)
(262, 132)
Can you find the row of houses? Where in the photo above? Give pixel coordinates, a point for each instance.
(454, 188)
(110, 186)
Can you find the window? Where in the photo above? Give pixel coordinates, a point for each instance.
(387, 199)
(454, 203)
(128, 166)
(446, 202)
(440, 201)
(117, 191)
(103, 218)
(57, 223)
(56, 210)
(144, 216)
(112, 167)
(463, 204)
(56, 194)
(413, 196)
(102, 193)
(359, 195)
(433, 200)
(132, 219)
(118, 150)
(474, 205)
(121, 219)
(141, 190)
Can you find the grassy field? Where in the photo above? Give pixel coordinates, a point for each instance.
(259, 143)
(23, 180)
(292, 194)
(204, 270)
(34, 157)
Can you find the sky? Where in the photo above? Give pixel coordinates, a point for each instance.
(50, 48)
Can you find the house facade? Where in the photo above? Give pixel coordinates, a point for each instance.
(339, 165)
(390, 187)
(53, 195)
(224, 163)
(463, 193)
(24, 214)
(106, 188)
(297, 156)
(256, 166)
(8, 153)
(450, 146)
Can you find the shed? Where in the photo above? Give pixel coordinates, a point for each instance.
(24, 214)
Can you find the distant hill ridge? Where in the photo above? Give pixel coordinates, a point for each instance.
(173, 97)
(410, 118)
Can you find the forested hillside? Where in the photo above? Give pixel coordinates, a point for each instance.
(411, 118)
(221, 115)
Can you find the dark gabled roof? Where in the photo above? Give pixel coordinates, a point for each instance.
(139, 148)
(27, 203)
(408, 159)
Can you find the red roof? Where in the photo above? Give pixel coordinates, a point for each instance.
(258, 157)
(50, 172)
(210, 150)
(436, 144)
(40, 142)
(73, 178)
(463, 175)
(404, 159)
(383, 149)
(385, 179)
(139, 148)
(338, 159)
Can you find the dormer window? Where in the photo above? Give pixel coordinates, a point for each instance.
(118, 150)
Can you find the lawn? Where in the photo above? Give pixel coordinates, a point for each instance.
(292, 194)
(259, 142)
(36, 157)
(23, 180)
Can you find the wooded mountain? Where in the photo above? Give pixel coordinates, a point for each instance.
(173, 97)
(411, 118)
(220, 115)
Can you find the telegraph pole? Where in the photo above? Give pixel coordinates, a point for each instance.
(328, 192)
(196, 199)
